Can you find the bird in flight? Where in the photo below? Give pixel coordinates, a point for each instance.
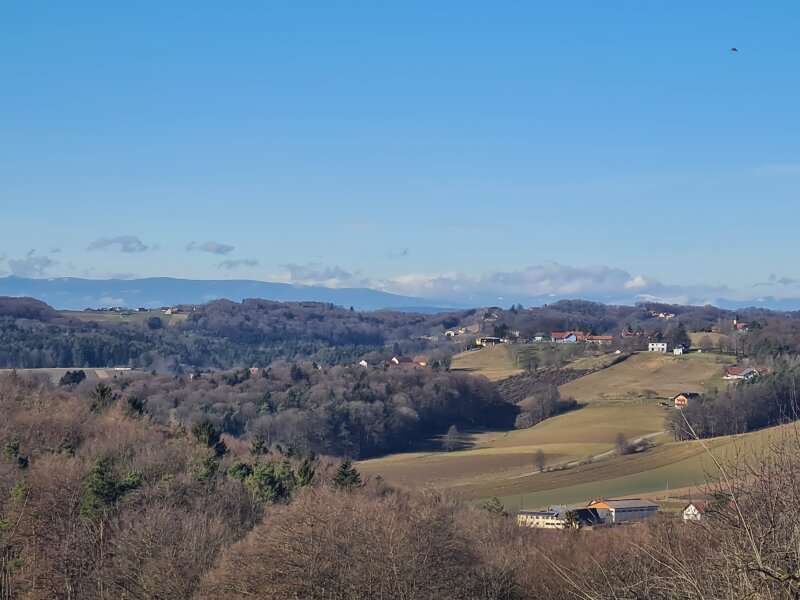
(734, 49)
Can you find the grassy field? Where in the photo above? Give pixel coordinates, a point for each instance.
(620, 399)
(650, 374)
(134, 317)
(696, 336)
(54, 375)
(494, 362)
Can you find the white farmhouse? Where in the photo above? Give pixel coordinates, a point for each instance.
(657, 347)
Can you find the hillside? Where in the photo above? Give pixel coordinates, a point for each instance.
(623, 399)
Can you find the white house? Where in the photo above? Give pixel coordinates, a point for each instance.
(363, 363)
(694, 511)
(657, 347)
(679, 350)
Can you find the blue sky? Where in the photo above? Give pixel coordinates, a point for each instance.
(425, 148)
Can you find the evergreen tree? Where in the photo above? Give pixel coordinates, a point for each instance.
(495, 507)
(347, 477)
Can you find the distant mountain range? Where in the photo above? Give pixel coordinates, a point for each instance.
(76, 294)
(69, 293)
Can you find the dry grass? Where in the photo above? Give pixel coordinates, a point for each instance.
(662, 374)
(54, 375)
(617, 400)
(494, 363)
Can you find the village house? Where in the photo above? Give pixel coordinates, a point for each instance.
(694, 511)
(601, 340)
(657, 347)
(744, 373)
(625, 510)
(680, 350)
(682, 400)
(567, 337)
(363, 363)
(741, 326)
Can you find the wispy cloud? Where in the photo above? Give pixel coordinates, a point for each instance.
(31, 265)
(237, 263)
(774, 280)
(123, 243)
(210, 247)
(314, 273)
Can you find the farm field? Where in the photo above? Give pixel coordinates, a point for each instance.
(620, 399)
(134, 317)
(671, 468)
(696, 336)
(494, 362)
(54, 375)
(650, 374)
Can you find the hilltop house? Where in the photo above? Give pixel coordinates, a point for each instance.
(681, 400)
(601, 340)
(567, 337)
(625, 510)
(657, 347)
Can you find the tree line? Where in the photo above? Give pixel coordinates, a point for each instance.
(342, 410)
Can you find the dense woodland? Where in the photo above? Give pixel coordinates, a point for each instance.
(100, 502)
(220, 334)
(343, 411)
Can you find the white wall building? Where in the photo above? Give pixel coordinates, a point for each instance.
(657, 347)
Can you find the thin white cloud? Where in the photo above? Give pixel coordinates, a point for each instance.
(314, 273)
(123, 243)
(31, 265)
(237, 263)
(211, 247)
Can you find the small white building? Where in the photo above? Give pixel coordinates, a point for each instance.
(363, 363)
(657, 347)
(541, 519)
(694, 511)
(680, 350)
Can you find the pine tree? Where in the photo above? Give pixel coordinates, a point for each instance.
(347, 477)
(306, 472)
(495, 507)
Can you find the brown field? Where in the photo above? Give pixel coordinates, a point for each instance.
(54, 375)
(662, 374)
(494, 362)
(696, 336)
(623, 398)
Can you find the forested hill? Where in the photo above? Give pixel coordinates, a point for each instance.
(224, 334)
(220, 334)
